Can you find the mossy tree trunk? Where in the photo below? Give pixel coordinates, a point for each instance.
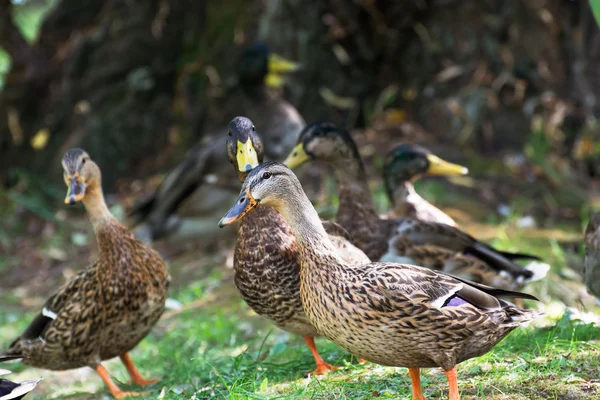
(101, 76)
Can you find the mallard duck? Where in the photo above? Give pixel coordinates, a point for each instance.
(266, 260)
(388, 313)
(105, 310)
(406, 240)
(402, 167)
(10, 390)
(592, 256)
(202, 184)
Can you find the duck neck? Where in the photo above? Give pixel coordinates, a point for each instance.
(96, 208)
(306, 226)
(354, 195)
(402, 194)
(257, 91)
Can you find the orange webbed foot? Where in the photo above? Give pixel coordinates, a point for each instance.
(322, 369)
(136, 377)
(144, 382)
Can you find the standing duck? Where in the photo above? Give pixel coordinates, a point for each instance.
(266, 260)
(388, 313)
(402, 167)
(198, 189)
(106, 309)
(592, 256)
(405, 240)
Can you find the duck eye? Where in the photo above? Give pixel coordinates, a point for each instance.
(253, 128)
(266, 175)
(83, 161)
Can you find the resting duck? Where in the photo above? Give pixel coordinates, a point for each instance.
(388, 313)
(198, 189)
(106, 309)
(592, 256)
(14, 391)
(405, 240)
(266, 260)
(402, 167)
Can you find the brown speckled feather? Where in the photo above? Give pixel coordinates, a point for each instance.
(107, 308)
(392, 314)
(433, 245)
(267, 268)
(103, 311)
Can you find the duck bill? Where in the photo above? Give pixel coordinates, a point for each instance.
(76, 190)
(437, 166)
(244, 204)
(278, 66)
(296, 157)
(246, 156)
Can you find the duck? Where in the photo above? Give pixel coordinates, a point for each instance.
(405, 240)
(592, 256)
(107, 308)
(266, 260)
(392, 314)
(194, 193)
(10, 390)
(405, 164)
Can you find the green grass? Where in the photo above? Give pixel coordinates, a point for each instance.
(216, 348)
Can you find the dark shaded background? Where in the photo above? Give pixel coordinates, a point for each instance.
(138, 82)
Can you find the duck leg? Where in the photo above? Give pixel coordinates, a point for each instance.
(322, 366)
(415, 377)
(114, 389)
(453, 383)
(135, 375)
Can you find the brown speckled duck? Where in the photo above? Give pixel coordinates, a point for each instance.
(404, 240)
(402, 167)
(388, 313)
(592, 256)
(106, 309)
(198, 189)
(266, 259)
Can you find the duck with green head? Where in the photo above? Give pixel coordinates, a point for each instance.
(388, 313)
(106, 309)
(266, 260)
(406, 240)
(402, 167)
(194, 193)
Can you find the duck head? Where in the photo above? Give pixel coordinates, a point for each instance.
(244, 148)
(80, 173)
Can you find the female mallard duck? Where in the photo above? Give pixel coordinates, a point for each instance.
(109, 307)
(14, 391)
(198, 189)
(406, 240)
(266, 260)
(388, 313)
(592, 256)
(402, 167)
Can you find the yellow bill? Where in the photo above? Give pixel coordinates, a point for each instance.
(276, 67)
(437, 166)
(246, 156)
(297, 157)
